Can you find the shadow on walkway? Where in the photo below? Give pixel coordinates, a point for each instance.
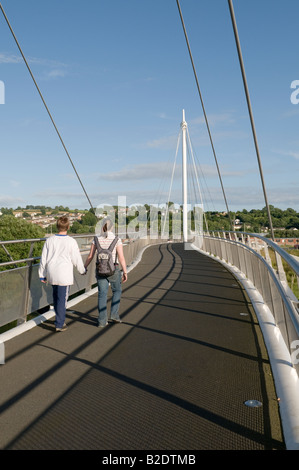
(174, 375)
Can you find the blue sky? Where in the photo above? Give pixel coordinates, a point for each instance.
(116, 76)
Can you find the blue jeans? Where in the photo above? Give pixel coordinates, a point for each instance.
(103, 286)
(60, 296)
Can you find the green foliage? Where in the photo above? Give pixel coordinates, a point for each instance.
(217, 221)
(86, 224)
(256, 220)
(89, 219)
(12, 228)
(6, 211)
(77, 227)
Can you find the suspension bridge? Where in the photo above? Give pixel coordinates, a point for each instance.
(204, 357)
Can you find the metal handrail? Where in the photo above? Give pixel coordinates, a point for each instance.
(25, 240)
(32, 241)
(284, 254)
(269, 282)
(21, 291)
(19, 261)
(233, 256)
(279, 253)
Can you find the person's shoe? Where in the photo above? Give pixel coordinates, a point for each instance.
(63, 328)
(114, 321)
(102, 326)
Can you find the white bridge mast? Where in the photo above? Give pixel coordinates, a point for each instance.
(185, 199)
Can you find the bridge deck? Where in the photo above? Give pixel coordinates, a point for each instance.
(174, 375)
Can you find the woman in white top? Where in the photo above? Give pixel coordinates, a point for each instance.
(105, 239)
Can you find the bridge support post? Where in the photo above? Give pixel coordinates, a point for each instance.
(185, 198)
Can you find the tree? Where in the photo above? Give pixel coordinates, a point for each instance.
(6, 211)
(16, 229)
(75, 227)
(293, 223)
(89, 219)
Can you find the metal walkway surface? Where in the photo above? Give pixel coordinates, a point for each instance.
(174, 375)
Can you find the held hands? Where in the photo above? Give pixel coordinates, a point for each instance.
(124, 276)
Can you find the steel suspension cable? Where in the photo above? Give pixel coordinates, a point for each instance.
(197, 179)
(230, 3)
(42, 98)
(197, 164)
(171, 182)
(204, 112)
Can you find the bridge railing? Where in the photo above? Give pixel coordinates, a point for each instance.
(271, 270)
(21, 291)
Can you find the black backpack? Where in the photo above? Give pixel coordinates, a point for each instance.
(105, 265)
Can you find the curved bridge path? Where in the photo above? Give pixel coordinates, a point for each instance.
(174, 375)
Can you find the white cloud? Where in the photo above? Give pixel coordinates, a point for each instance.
(214, 119)
(15, 183)
(57, 69)
(293, 154)
(288, 154)
(56, 73)
(9, 201)
(163, 143)
(10, 59)
(138, 172)
(157, 170)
